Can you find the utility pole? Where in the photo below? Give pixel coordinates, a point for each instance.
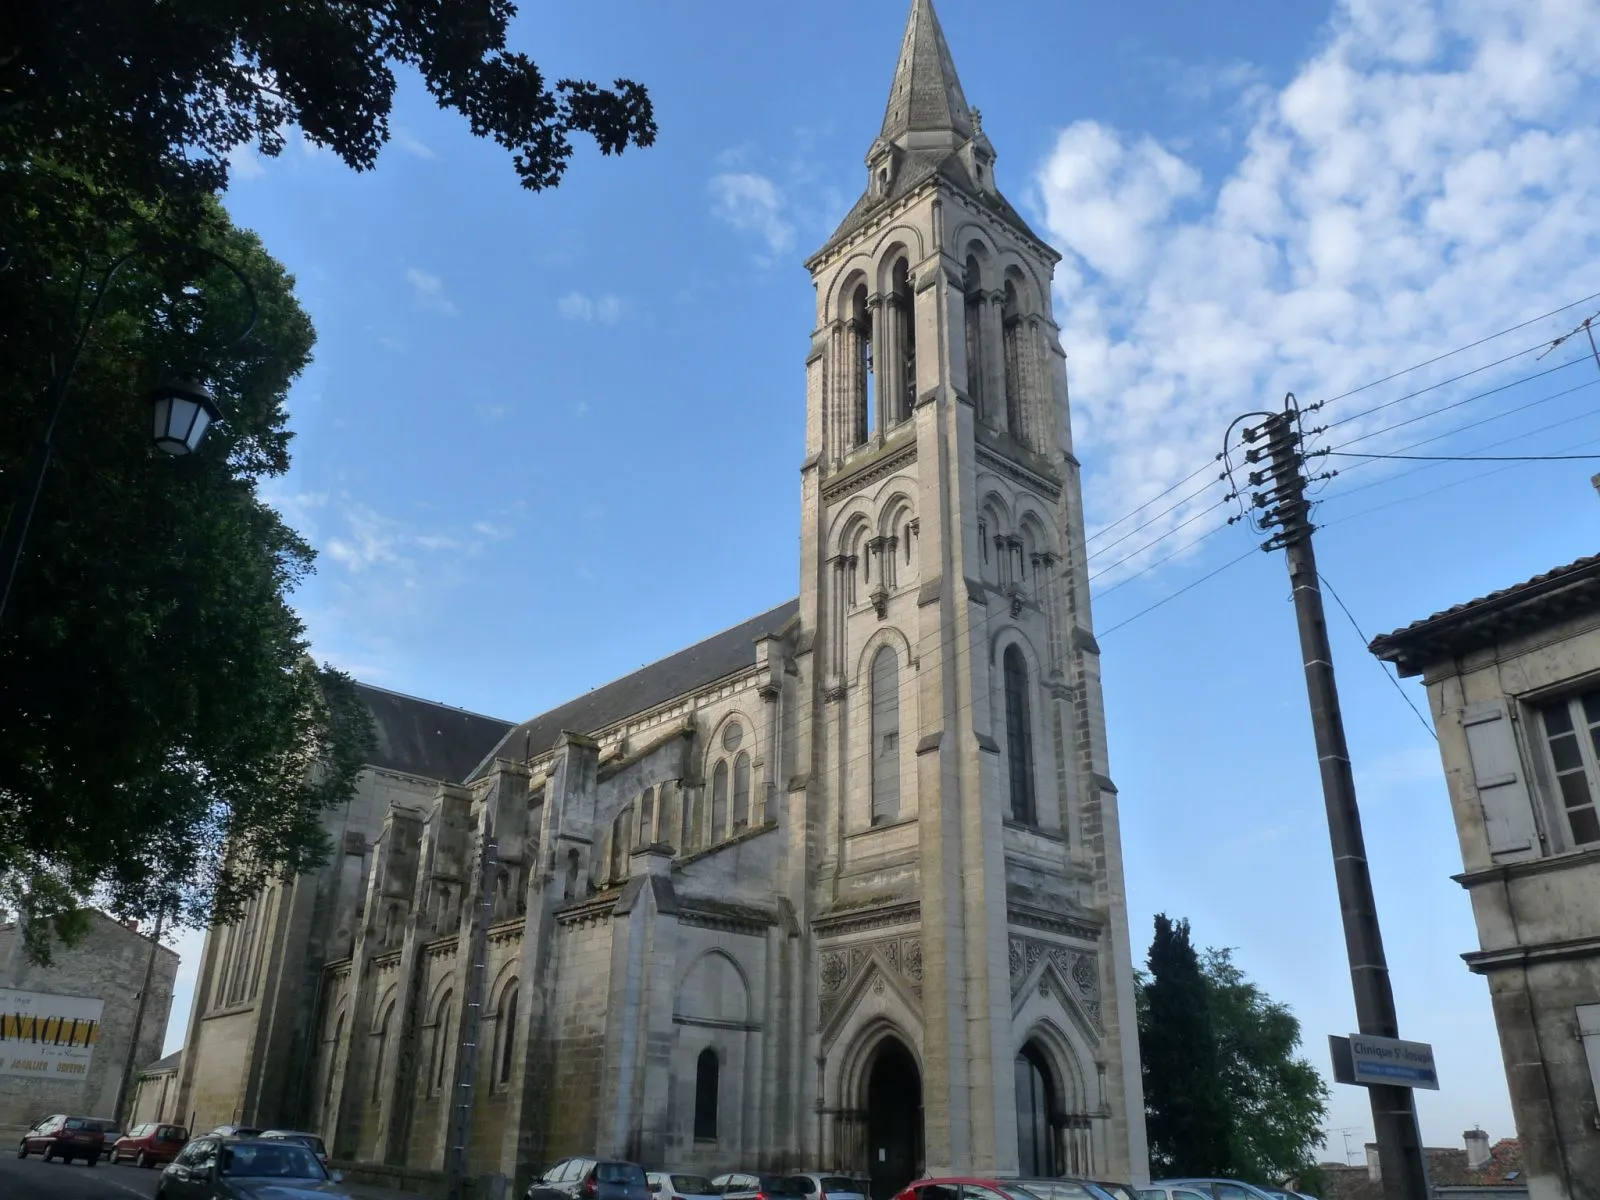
(466, 1071)
(130, 1062)
(1285, 507)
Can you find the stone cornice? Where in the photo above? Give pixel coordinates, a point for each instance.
(1084, 927)
(878, 466)
(1482, 962)
(1043, 484)
(878, 916)
(1576, 860)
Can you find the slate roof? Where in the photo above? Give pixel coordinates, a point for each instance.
(1538, 601)
(926, 94)
(926, 97)
(420, 737)
(688, 670)
(1447, 1167)
(169, 1063)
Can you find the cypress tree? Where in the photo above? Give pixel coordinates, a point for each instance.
(1185, 1102)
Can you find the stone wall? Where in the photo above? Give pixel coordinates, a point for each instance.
(108, 965)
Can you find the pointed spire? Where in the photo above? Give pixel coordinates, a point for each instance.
(926, 97)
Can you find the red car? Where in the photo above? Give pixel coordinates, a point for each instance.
(150, 1145)
(65, 1138)
(959, 1187)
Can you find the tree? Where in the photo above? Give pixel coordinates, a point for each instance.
(1276, 1101)
(147, 98)
(1186, 1114)
(165, 743)
(1225, 1094)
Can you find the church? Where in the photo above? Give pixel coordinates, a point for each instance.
(838, 888)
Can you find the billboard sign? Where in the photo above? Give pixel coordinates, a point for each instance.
(46, 1036)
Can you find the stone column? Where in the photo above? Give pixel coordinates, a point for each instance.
(878, 422)
(993, 305)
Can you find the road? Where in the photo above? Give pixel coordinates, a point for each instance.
(32, 1179)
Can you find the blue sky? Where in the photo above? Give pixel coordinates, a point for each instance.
(550, 438)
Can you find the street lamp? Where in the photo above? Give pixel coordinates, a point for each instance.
(182, 408)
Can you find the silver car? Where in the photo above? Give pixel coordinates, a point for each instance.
(830, 1185)
(215, 1168)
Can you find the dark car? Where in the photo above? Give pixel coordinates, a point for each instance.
(219, 1168)
(236, 1131)
(961, 1187)
(590, 1179)
(149, 1145)
(752, 1185)
(65, 1138)
(310, 1141)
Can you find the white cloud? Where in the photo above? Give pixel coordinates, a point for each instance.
(754, 204)
(575, 306)
(405, 140)
(1429, 175)
(245, 162)
(430, 292)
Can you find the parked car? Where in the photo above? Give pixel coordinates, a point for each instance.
(831, 1185)
(957, 1187)
(1172, 1191)
(220, 1168)
(66, 1138)
(678, 1185)
(1212, 1189)
(236, 1131)
(752, 1185)
(310, 1141)
(149, 1145)
(1066, 1188)
(590, 1179)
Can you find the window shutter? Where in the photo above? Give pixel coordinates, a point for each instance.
(1589, 1031)
(1501, 780)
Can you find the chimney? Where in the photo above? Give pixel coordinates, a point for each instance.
(1477, 1148)
(1373, 1172)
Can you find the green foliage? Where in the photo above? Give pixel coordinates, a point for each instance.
(164, 740)
(1186, 1110)
(1225, 1094)
(1277, 1101)
(146, 98)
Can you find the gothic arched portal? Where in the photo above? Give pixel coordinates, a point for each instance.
(894, 1119)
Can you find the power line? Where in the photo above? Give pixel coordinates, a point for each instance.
(1466, 457)
(1187, 587)
(1452, 353)
(1168, 558)
(1365, 641)
(1157, 541)
(1173, 508)
(1104, 529)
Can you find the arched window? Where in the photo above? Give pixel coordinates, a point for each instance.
(860, 339)
(1019, 737)
(903, 313)
(975, 356)
(707, 1075)
(647, 817)
(719, 803)
(505, 1033)
(441, 1043)
(621, 842)
(741, 792)
(379, 1051)
(1011, 327)
(1036, 1105)
(333, 1068)
(885, 736)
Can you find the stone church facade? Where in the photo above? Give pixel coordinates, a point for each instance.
(840, 887)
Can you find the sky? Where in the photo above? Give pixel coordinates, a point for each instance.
(548, 438)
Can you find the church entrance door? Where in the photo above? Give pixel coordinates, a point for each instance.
(894, 1119)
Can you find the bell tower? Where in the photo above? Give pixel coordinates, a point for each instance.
(964, 893)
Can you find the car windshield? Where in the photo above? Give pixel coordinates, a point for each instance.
(271, 1160)
(78, 1123)
(616, 1172)
(1118, 1191)
(693, 1185)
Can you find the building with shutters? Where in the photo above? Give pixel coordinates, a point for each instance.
(1514, 686)
(838, 887)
